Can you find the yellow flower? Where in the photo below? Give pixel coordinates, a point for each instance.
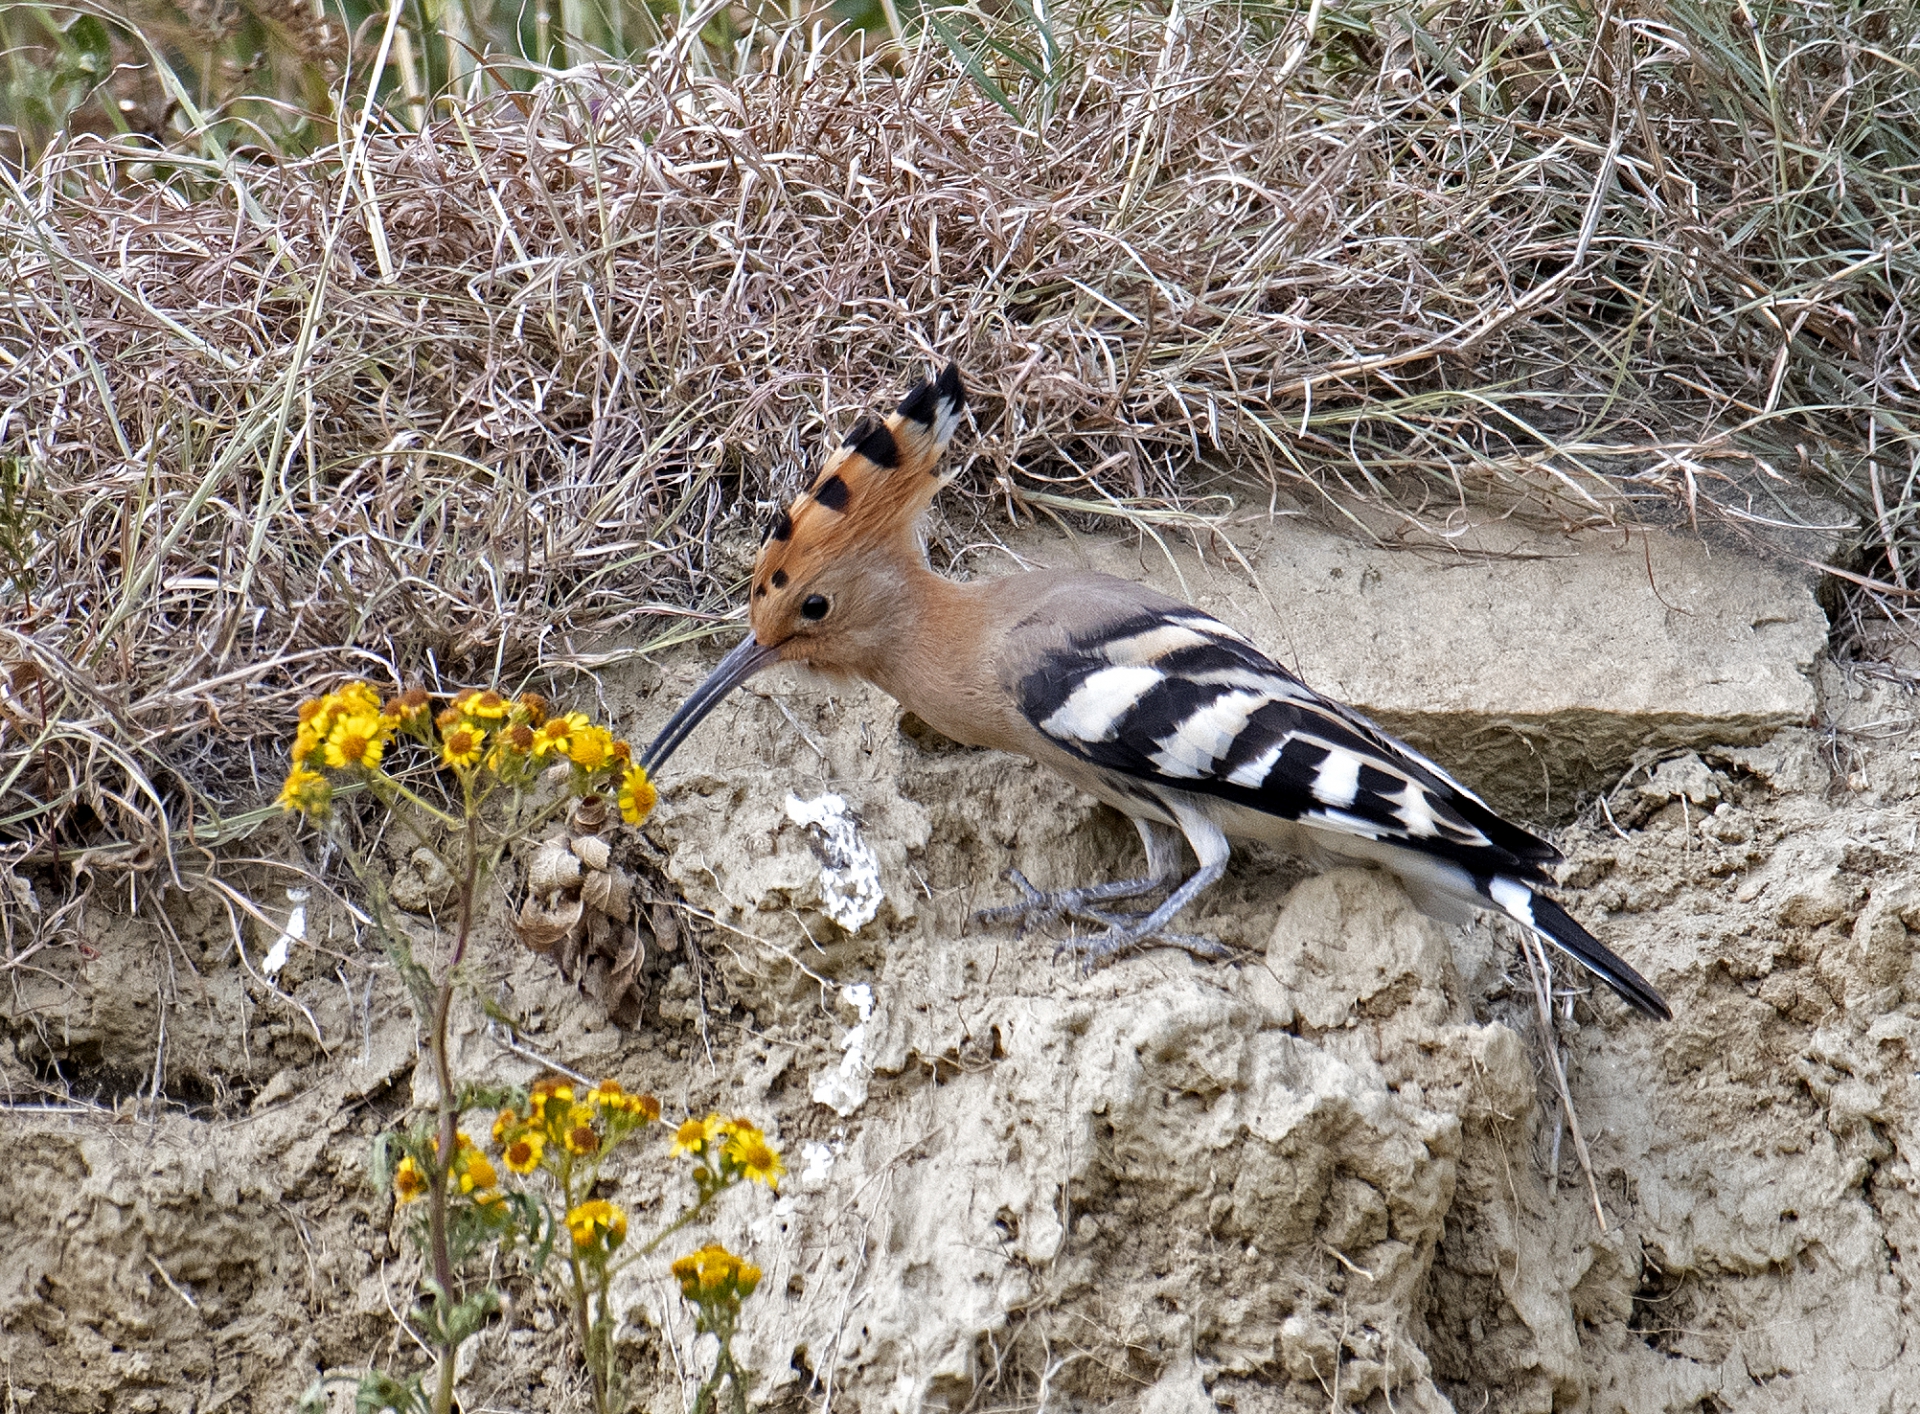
(523, 1154)
(408, 706)
(576, 1129)
(408, 1182)
(306, 791)
(463, 746)
(504, 1124)
(489, 706)
(556, 732)
(532, 706)
(693, 1136)
(509, 743)
(359, 699)
(758, 1160)
(714, 1271)
(306, 743)
(608, 1095)
(591, 1219)
(318, 717)
(476, 1172)
(356, 741)
(637, 796)
(591, 748)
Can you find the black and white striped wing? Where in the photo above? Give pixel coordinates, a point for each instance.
(1174, 697)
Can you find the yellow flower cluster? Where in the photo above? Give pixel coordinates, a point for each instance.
(608, 1096)
(346, 730)
(595, 1222)
(730, 1149)
(472, 1173)
(350, 730)
(339, 731)
(713, 1275)
(592, 749)
(483, 727)
(557, 1123)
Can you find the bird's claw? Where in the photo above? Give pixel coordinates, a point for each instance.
(1122, 930)
(1094, 953)
(1033, 904)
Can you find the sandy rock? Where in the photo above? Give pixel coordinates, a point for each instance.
(1345, 949)
(422, 883)
(1169, 1113)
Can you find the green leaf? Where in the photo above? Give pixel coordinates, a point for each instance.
(379, 1391)
(970, 63)
(89, 47)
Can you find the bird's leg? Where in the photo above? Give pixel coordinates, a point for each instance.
(1125, 932)
(1039, 904)
(1163, 852)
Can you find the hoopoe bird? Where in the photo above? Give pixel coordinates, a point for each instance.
(1161, 711)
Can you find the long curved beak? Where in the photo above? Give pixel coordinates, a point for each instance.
(746, 660)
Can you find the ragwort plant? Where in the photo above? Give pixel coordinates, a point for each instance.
(467, 783)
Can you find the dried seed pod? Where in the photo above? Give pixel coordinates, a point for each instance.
(633, 957)
(540, 927)
(613, 979)
(589, 816)
(610, 892)
(625, 1013)
(592, 851)
(554, 867)
(666, 928)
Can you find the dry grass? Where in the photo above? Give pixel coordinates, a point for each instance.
(485, 398)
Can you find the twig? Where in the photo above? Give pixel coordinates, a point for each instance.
(1537, 964)
(172, 1285)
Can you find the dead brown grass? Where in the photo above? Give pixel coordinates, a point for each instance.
(486, 398)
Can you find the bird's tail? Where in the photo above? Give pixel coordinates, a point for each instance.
(1540, 914)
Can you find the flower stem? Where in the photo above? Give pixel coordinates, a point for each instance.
(583, 1318)
(442, 1167)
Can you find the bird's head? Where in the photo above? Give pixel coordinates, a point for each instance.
(831, 569)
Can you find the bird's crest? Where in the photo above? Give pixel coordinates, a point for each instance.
(876, 484)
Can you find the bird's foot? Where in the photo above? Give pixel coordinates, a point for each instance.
(1044, 906)
(1125, 933)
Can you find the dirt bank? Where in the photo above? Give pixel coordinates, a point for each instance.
(1321, 1175)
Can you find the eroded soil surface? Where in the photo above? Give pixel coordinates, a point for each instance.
(1333, 1172)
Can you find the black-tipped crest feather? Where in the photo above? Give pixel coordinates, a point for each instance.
(936, 404)
(876, 444)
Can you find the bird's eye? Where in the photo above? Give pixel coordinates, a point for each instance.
(814, 607)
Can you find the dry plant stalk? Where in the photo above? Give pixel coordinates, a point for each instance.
(486, 398)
